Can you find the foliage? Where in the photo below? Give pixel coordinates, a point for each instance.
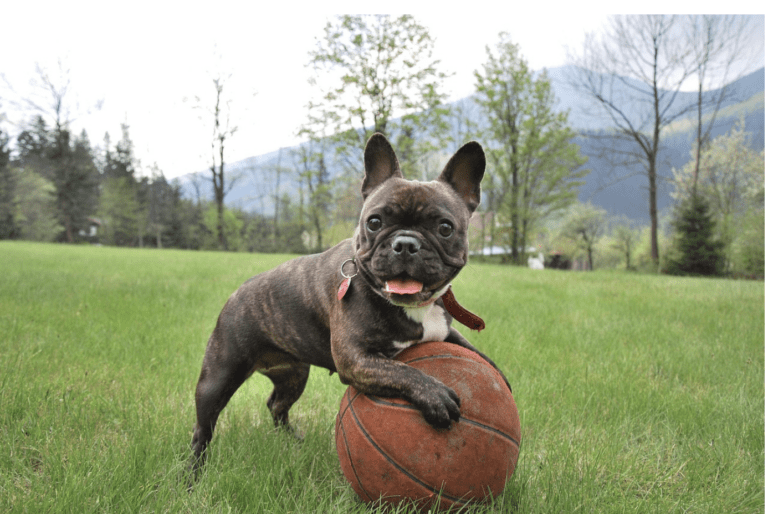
(36, 215)
(696, 251)
(584, 224)
(377, 74)
(624, 239)
(75, 178)
(731, 181)
(65, 163)
(119, 210)
(532, 159)
(7, 190)
(231, 226)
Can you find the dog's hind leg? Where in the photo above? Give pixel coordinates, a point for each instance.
(218, 382)
(289, 377)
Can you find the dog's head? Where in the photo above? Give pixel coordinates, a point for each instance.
(411, 240)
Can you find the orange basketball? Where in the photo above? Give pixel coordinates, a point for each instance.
(389, 452)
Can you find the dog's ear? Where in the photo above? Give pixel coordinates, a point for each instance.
(464, 172)
(380, 163)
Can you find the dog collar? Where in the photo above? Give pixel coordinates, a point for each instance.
(347, 279)
(460, 314)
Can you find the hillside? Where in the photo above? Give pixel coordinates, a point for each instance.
(604, 185)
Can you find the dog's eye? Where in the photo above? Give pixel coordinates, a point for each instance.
(445, 229)
(373, 224)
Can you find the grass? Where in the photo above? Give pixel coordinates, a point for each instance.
(636, 393)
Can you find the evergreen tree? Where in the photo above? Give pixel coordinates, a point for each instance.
(7, 191)
(730, 178)
(119, 206)
(69, 166)
(120, 162)
(35, 199)
(695, 249)
(33, 143)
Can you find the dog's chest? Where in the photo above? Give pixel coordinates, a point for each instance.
(432, 319)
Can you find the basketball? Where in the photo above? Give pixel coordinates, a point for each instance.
(389, 453)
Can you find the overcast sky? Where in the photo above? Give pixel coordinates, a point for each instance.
(144, 63)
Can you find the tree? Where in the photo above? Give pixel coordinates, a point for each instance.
(36, 214)
(310, 162)
(119, 206)
(8, 228)
(160, 204)
(624, 240)
(231, 224)
(731, 183)
(372, 70)
(695, 249)
(584, 225)
(32, 144)
(118, 210)
(65, 161)
(223, 130)
(531, 150)
(716, 42)
(634, 74)
(74, 175)
(120, 162)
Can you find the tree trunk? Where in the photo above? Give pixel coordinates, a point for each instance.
(653, 213)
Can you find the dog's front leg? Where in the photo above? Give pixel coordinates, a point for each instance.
(373, 374)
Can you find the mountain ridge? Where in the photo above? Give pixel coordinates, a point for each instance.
(745, 97)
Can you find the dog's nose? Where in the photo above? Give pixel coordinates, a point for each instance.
(406, 244)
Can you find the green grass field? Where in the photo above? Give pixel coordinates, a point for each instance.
(636, 393)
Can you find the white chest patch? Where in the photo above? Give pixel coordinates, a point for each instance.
(432, 319)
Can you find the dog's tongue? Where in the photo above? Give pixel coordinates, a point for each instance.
(404, 286)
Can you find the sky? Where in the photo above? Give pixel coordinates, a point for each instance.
(145, 64)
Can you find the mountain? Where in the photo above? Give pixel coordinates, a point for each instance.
(745, 97)
(629, 197)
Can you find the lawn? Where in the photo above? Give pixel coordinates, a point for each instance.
(637, 393)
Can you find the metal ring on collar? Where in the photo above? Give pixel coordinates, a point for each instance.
(342, 269)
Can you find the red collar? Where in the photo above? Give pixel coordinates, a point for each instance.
(462, 315)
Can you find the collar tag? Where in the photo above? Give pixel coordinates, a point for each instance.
(344, 287)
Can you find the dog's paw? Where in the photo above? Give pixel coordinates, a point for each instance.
(438, 404)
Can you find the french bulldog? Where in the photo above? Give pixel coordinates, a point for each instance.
(355, 306)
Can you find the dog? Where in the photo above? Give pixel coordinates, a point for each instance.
(355, 306)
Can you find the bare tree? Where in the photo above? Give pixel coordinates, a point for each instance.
(277, 172)
(310, 164)
(717, 43)
(634, 74)
(223, 129)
